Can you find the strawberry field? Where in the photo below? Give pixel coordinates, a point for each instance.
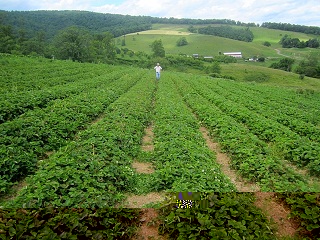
(70, 132)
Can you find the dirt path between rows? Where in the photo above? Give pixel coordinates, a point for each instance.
(273, 209)
(147, 140)
(143, 167)
(149, 226)
(224, 161)
(138, 201)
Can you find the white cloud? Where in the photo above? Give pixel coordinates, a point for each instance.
(258, 11)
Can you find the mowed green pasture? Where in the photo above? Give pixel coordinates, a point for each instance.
(212, 45)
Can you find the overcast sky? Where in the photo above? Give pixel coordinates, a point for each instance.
(303, 12)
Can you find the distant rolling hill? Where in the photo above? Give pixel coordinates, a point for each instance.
(206, 45)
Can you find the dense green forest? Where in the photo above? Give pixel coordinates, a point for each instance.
(31, 22)
(292, 27)
(228, 32)
(288, 42)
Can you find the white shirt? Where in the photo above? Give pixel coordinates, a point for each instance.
(157, 68)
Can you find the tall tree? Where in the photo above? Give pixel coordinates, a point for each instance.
(182, 42)
(73, 43)
(158, 49)
(284, 64)
(103, 46)
(7, 40)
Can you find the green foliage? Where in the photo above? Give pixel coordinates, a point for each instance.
(192, 29)
(102, 48)
(68, 223)
(225, 59)
(214, 68)
(183, 162)
(179, 61)
(257, 77)
(73, 43)
(7, 39)
(228, 32)
(93, 170)
(223, 108)
(292, 27)
(123, 42)
(78, 45)
(55, 114)
(267, 44)
(158, 49)
(288, 42)
(261, 59)
(306, 208)
(54, 21)
(309, 67)
(284, 64)
(228, 216)
(182, 42)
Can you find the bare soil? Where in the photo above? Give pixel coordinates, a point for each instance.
(273, 209)
(224, 161)
(149, 226)
(137, 201)
(143, 167)
(147, 140)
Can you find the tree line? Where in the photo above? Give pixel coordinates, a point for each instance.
(309, 67)
(31, 22)
(292, 27)
(288, 42)
(226, 31)
(73, 43)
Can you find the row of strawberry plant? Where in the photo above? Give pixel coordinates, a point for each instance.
(24, 74)
(253, 157)
(15, 104)
(94, 170)
(31, 135)
(297, 120)
(68, 223)
(286, 96)
(226, 216)
(297, 149)
(183, 161)
(303, 107)
(305, 207)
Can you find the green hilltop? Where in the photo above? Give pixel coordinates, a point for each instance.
(207, 45)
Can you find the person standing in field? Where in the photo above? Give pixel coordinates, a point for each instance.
(158, 68)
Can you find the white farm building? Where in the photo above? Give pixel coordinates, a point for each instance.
(233, 54)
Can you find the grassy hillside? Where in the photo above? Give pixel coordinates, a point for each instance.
(212, 45)
(249, 72)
